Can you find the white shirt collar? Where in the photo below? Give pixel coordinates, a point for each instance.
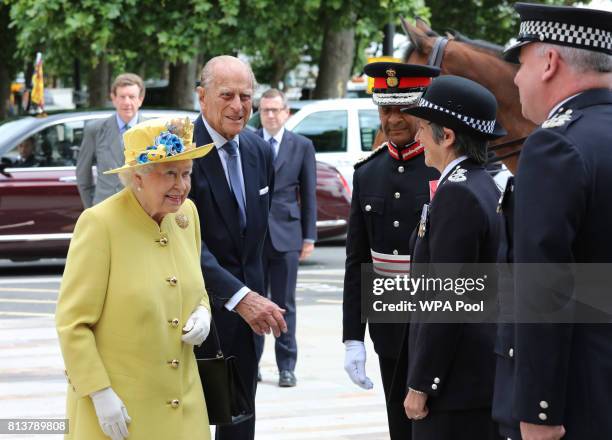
(556, 107)
(217, 139)
(450, 167)
(278, 137)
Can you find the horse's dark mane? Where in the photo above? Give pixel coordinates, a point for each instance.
(482, 45)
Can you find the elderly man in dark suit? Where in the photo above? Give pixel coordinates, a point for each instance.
(292, 228)
(103, 141)
(231, 188)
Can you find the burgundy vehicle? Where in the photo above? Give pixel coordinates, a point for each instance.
(39, 200)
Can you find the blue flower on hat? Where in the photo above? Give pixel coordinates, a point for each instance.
(173, 143)
(144, 156)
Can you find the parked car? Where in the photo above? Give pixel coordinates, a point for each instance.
(40, 203)
(342, 130)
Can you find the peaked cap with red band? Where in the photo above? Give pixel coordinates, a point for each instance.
(399, 83)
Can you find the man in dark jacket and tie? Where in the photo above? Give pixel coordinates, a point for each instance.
(292, 228)
(231, 188)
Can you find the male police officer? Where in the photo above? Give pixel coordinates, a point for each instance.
(389, 190)
(563, 212)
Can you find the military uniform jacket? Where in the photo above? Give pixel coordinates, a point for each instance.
(563, 214)
(454, 362)
(388, 195)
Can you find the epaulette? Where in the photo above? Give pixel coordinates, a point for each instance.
(558, 120)
(367, 157)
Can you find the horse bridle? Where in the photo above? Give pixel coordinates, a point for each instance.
(437, 53)
(435, 60)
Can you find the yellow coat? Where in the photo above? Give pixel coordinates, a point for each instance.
(127, 290)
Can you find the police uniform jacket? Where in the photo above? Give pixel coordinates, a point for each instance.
(388, 195)
(128, 288)
(504, 345)
(563, 213)
(454, 362)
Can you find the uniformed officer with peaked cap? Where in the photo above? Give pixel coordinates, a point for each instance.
(389, 188)
(556, 380)
(451, 365)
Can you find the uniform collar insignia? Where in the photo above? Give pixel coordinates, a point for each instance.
(458, 175)
(405, 153)
(558, 120)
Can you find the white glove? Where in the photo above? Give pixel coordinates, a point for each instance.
(354, 364)
(197, 326)
(112, 413)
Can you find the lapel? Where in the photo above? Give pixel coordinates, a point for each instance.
(111, 130)
(283, 150)
(251, 181)
(212, 170)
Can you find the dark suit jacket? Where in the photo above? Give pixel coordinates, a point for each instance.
(563, 213)
(229, 260)
(293, 216)
(454, 362)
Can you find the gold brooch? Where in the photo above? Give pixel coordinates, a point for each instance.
(181, 220)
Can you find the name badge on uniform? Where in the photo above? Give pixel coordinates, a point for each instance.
(506, 194)
(423, 222)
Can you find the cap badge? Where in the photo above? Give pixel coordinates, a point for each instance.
(392, 80)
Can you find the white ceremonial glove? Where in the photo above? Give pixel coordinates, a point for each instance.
(354, 364)
(197, 326)
(112, 413)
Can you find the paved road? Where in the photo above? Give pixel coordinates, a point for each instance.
(324, 405)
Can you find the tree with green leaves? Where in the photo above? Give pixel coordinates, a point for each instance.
(489, 20)
(8, 66)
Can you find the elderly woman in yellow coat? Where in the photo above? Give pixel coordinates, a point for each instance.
(132, 302)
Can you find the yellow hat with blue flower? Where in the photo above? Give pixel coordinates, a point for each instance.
(158, 141)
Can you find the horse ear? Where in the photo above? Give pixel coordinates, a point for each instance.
(415, 35)
(422, 25)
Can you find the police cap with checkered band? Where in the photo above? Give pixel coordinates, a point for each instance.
(583, 28)
(461, 105)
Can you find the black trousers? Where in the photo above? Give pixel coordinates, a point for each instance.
(475, 424)
(243, 348)
(400, 426)
(280, 275)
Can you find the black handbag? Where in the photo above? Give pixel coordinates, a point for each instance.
(227, 399)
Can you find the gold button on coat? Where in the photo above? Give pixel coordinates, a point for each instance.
(174, 322)
(175, 403)
(172, 281)
(163, 241)
(175, 363)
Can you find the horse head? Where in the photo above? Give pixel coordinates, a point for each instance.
(479, 61)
